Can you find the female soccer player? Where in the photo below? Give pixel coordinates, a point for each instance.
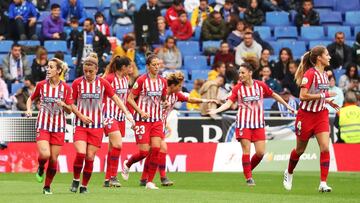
(249, 95)
(89, 91)
(116, 75)
(174, 94)
(55, 99)
(147, 97)
(313, 117)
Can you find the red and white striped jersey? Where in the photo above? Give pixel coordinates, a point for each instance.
(250, 103)
(90, 97)
(316, 83)
(51, 116)
(121, 88)
(149, 95)
(172, 99)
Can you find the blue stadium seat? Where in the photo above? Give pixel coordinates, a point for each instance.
(189, 85)
(197, 34)
(72, 74)
(312, 33)
(55, 45)
(195, 63)
(352, 18)
(331, 30)
(139, 3)
(276, 46)
(338, 73)
(91, 13)
(277, 18)
(189, 48)
(346, 5)
(1, 58)
(186, 74)
(163, 11)
(264, 32)
(209, 44)
(331, 18)
(199, 74)
(43, 15)
(56, 2)
(356, 30)
(324, 4)
(91, 4)
(319, 42)
(268, 102)
(298, 48)
(68, 60)
(16, 86)
(285, 32)
(106, 4)
(120, 31)
(5, 46)
(349, 42)
(29, 42)
(30, 58)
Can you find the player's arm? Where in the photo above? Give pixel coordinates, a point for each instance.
(67, 107)
(121, 105)
(198, 101)
(82, 117)
(306, 96)
(222, 108)
(33, 97)
(282, 101)
(28, 112)
(131, 101)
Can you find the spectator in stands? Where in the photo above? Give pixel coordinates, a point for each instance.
(200, 14)
(209, 90)
(288, 98)
(350, 81)
(23, 15)
(307, 16)
(127, 48)
(122, 12)
(265, 73)
(140, 57)
(4, 92)
(339, 98)
(289, 79)
(347, 120)
(274, 5)
(264, 44)
(181, 27)
(247, 48)
(224, 55)
(73, 8)
(41, 5)
(231, 24)
(15, 66)
(231, 74)
(90, 40)
(241, 5)
(282, 66)
(101, 25)
(39, 64)
(133, 74)
(191, 5)
(170, 55)
(24, 93)
(217, 69)
(172, 13)
(356, 50)
(53, 25)
(74, 25)
(228, 9)
(146, 31)
(341, 54)
(237, 35)
(213, 28)
(65, 73)
(254, 15)
(194, 93)
(265, 60)
(163, 31)
(4, 27)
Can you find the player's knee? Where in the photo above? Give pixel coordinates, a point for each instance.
(299, 151)
(117, 145)
(44, 154)
(260, 153)
(90, 156)
(324, 149)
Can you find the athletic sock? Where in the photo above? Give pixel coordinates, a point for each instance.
(294, 159)
(50, 173)
(145, 173)
(255, 160)
(42, 163)
(137, 157)
(324, 165)
(108, 166)
(153, 163)
(88, 168)
(162, 164)
(246, 166)
(114, 159)
(78, 165)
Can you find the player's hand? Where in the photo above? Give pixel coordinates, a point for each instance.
(130, 118)
(293, 111)
(215, 101)
(144, 115)
(165, 104)
(86, 120)
(332, 104)
(28, 113)
(60, 103)
(212, 111)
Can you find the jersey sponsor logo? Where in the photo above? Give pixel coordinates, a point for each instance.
(50, 100)
(153, 93)
(304, 81)
(251, 98)
(121, 91)
(323, 86)
(90, 96)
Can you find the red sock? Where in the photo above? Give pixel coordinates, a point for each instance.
(42, 163)
(108, 163)
(50, 173)
(153, 163)
(246, 166)
(162, 164)
(137, 157)
(255, 160)
(88, 168)
(324, 165)
(78, 165)
(294, 158)
(145, 172)
(114, 159)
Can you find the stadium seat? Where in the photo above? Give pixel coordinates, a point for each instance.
(268, 102)
(276, 46)
(94, 4)
(55, 45)
(56, 2)
(106, 4)
(298, 48)
(199, 74)
(197, 34)
(68, 60)
(139, 3)
(195, 62)
(264, 32)
(277, 19)
(189, 48)
(352, 18)
(29, 42)
(163, 11)
(120, 31)
(91, 13)
(30, 58)
(330, 18)
(72, 74)
(331, 30)
(16, 86)
(312, 33)
(324, 4)
(1, 58)
(356, 30)
(319, 42)
(285, 32)
(189, 85)
(42, 16)
(210, 44)
(338, 73)
(5, 46)
(347, 5)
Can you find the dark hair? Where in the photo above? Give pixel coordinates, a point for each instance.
(99, 14)
(288, 51)
(223, 42)
(116, 64)
(54, 6)
(358, 37)
(339, 33)
(74, 20)
(128, 39)
(150, 57)
(59, 55)
(249, 26)
(248, 66)
(181, 12)
(229, 1)
(91, 21)
(217, 65)
(348, 68)
(262, 51)
(214, 13)
(15, 45)
(265, 66)
(177, 2)
(30, 79)
(205, 0)
(304, 1)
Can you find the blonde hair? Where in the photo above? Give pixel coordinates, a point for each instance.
(175, 78)
(40, 51)
(60, 65)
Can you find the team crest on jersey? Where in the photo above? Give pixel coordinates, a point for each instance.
(135, 86)
(61, 94)
(98, 89)
(304, 81)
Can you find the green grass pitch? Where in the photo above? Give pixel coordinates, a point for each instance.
(189, 187)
